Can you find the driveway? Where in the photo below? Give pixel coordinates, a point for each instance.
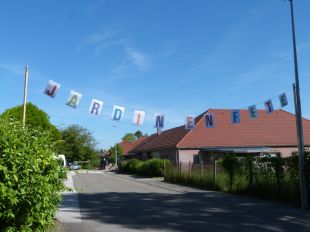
(109, 202)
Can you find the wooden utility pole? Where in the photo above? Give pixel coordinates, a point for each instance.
(25, 95)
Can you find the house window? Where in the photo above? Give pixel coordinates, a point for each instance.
(197, 159)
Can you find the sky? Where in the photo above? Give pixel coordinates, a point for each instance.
(175, 57)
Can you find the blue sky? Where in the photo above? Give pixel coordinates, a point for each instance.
(162, 56)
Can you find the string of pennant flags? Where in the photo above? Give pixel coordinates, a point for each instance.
(139, 115)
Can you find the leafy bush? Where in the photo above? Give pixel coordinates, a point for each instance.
(131, 166)
(30, 179)
(152, 167)
(270, 177)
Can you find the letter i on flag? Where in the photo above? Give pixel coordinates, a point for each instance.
(138, 117)
(95, 107)
(74, 99)
(51, 88)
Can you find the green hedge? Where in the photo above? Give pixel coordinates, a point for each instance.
(270, 177)
(30, 179)
(151, 167)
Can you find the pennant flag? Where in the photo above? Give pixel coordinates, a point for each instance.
(269, 106)
(51, 88)
(74, 99)
(209, 120)
(95, 107)
(252, 112)
(189, 122)
(138, 117)
(235, 116)
(283, 100)
(160, 119)
(118, 113)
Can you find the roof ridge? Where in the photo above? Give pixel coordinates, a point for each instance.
(284, 111)
(195, 123)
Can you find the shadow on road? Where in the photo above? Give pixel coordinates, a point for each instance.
(207, 211)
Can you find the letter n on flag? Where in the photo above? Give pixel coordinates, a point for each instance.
(209, 120)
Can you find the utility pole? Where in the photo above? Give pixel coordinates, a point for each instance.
(116, 165)
(301, 148)
(25, 95)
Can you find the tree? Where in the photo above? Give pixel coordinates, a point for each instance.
(35, 119)
(79, 144)
(129, 137)
(112, 153)
(138, 134)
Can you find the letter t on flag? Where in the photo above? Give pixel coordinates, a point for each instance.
(51, 88)
(269, 106)
(138, 117)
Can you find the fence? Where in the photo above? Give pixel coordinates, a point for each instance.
(272, 178)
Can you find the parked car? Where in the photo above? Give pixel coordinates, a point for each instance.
(75, 166)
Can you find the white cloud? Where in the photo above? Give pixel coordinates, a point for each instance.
(139, 59)
(14, 68)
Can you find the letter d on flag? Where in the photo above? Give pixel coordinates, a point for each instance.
(118, 113)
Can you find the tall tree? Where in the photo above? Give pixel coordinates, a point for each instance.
(129, 137)
(79, 144)
(112, 153)
(35, 118)
(138, 134)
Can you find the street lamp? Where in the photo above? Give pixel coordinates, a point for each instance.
(301, 148)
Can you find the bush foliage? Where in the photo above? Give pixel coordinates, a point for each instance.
(151, 167)
(30, 178)
(270, 177)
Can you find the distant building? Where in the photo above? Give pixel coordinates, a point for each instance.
(127, 146)
(274, 132)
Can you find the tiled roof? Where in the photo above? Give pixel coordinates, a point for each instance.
(127, 146)
(271, 130)
(166, 139)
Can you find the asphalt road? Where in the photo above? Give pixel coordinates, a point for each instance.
(109, 202)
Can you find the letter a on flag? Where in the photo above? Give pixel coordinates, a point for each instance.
(74, 99)
(138, 117)
(51, 88)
